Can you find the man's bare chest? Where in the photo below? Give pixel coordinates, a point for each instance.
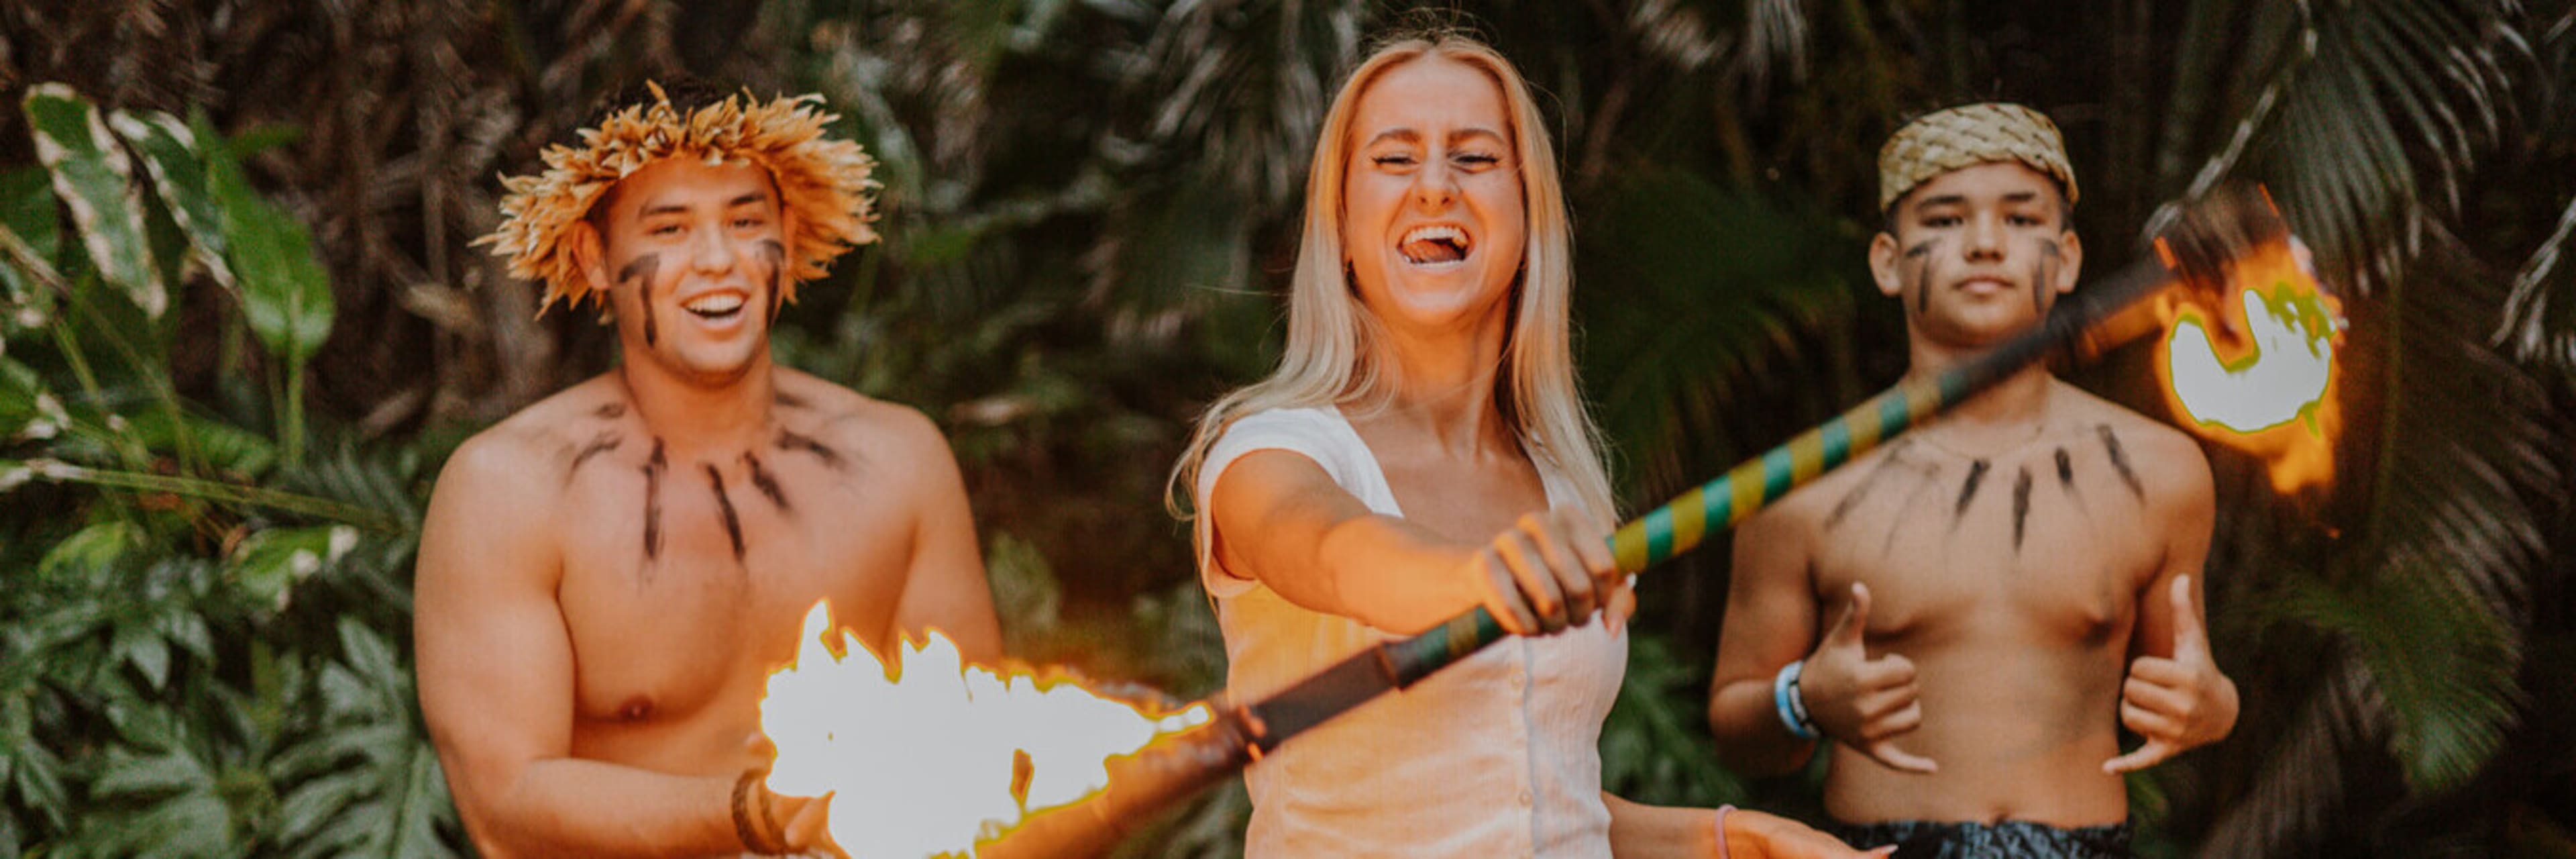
(2050, 539)
(685, 573)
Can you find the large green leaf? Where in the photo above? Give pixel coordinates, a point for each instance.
(218, 444)
(402, 814)
(270, 563)
(316, 802)
(181, 813)
(26, 408)
(92, 549)
(164, 803)
(38, 780)
(31, 213)
(285, 291)
(169, 148)
(143, 647)
(368, 782)
(172, 770)
(94, 177)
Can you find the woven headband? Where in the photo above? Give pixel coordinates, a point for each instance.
(1967, 136)
(822, 183)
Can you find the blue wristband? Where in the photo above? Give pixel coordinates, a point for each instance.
(1791, 705)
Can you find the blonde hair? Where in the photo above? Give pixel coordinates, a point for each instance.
(1330, 354)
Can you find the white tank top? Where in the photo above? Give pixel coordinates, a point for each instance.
(1495, 755)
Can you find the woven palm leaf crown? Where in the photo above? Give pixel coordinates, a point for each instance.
(824, 183)
(1966, 136)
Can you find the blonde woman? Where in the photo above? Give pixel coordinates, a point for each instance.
(1420, 451)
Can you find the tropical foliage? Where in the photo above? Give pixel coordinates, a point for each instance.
(204, 615)
(242, 327)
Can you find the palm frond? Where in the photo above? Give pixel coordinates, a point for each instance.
(2429, 598)
(1708, 289)
(2539, 323)
(2362, 105)
(2540, 316)
(1251, 79)
(2290, 803)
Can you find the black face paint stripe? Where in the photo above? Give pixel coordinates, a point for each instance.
(2021, 505)
(644, 268)
(1968, 489)
(724, 507)
(776, 255)
(653, 469)
(2049, 260)
(602, 443)
(1860, 492)
(1931, 477)
(2065, 470)
(1922, 253)
(2120, 460)
(761, 480)
(789, 440)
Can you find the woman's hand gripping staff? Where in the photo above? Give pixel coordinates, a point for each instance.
(1551, 570)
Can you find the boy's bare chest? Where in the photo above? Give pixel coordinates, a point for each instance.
(2049, 541)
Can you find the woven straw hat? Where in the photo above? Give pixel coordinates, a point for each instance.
(823, 182)
(1966, 136)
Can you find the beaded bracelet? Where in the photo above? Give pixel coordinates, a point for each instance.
(755, 836)
(1791, 704)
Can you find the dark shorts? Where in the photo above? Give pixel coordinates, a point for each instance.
(2011, 839)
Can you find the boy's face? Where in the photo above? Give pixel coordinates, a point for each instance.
(1978, 254)
(691, 256)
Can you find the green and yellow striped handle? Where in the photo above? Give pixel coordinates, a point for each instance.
(1719, 504)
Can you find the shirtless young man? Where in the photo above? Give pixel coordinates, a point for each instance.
(607, 576)
(1973, 611)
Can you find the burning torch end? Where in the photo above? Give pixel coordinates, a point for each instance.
(2214, 233)
(2194, 258)
(1142, 787)
(2128, 324)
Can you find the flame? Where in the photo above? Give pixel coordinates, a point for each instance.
(2270, 389)
(929, 755)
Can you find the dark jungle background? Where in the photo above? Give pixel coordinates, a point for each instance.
(240, 328)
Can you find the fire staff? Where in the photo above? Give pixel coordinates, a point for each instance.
(1972, 611)
(607, 576)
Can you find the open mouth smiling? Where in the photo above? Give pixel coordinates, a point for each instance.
(715, 306)
(1435, 246)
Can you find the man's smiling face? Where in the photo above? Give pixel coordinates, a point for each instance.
(691, 255)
